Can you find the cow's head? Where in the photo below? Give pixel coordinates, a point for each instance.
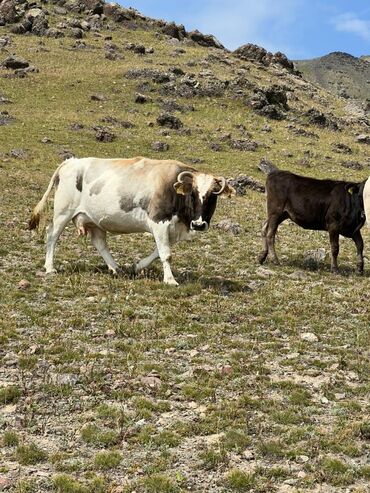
(201, 191)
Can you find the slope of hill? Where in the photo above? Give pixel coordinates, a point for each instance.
(340, 73)
(241, 379)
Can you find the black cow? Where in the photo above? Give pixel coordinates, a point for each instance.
(327, 205)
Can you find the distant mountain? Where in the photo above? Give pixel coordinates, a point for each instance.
(340, 73)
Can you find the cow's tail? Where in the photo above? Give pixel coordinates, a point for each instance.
(40, 207)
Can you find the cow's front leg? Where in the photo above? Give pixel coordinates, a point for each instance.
(334, 244)
(357, 238)
(162, 239)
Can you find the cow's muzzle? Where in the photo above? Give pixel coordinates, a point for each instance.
(198, 225)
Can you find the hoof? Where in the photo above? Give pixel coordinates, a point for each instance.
(51, 272)
(171, 282)
(261, 258)
(275, 261)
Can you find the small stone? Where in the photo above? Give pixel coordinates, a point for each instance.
(46, 140)
(301, 475)
(193, 353)
(110, 332)
(292, 355)
(303, 458)
(229, 226)
(4, 483)
(363, 139)
(141, 98)
(40, 273)
(314, 257)
(154, 382)
(264, 273)
(98, 97)
(248, 454)
(160, 146)
(324, 400)
(309, 337)
(339, 396)
(226, 370)
(24, 284)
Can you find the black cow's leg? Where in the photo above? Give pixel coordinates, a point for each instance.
(262, 256)
(271, 229)
(357, 238)
(334, 243)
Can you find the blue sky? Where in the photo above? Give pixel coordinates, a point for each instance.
(299, 28)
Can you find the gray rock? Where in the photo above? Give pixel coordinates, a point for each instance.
(170, 121)
(242, 182)
(104, 134)
(52, 32)
(160, 146)
(309, 337)
(363, 139)
(229, 226)
(312, 258)
(14, 62)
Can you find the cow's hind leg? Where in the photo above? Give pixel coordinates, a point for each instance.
(98, 239)
(334, 244)
(54, 231)
(161, 236)
(269, 233)
(262, 256)
(145, 262)
(357, 238)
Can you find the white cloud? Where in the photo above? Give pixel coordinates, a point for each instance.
(236, 22)
(350, 23)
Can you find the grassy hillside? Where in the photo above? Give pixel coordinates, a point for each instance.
(241, 379)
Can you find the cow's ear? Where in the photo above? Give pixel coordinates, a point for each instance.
(228, 191)
(183, 188)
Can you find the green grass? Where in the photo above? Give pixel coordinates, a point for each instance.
(235, 376)
(30, 454)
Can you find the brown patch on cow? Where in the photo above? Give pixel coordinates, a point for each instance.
(79, 180)
(128, 203)
(167, 202)
(97, 187)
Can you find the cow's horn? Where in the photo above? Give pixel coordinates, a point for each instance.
(183, 174)
(223, 181)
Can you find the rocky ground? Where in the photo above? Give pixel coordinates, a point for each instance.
(244, 378)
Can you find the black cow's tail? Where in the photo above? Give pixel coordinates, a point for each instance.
(267, 167)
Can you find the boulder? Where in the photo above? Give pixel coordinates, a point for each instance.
(12, 11)
(15, 62)
(271, 102)
(242, 182)
(207, 40)
(52, 32)
(174, 31)
(170, 121)
(256, 53)
(318, 118)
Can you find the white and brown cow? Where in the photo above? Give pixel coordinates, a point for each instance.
(166, 198)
